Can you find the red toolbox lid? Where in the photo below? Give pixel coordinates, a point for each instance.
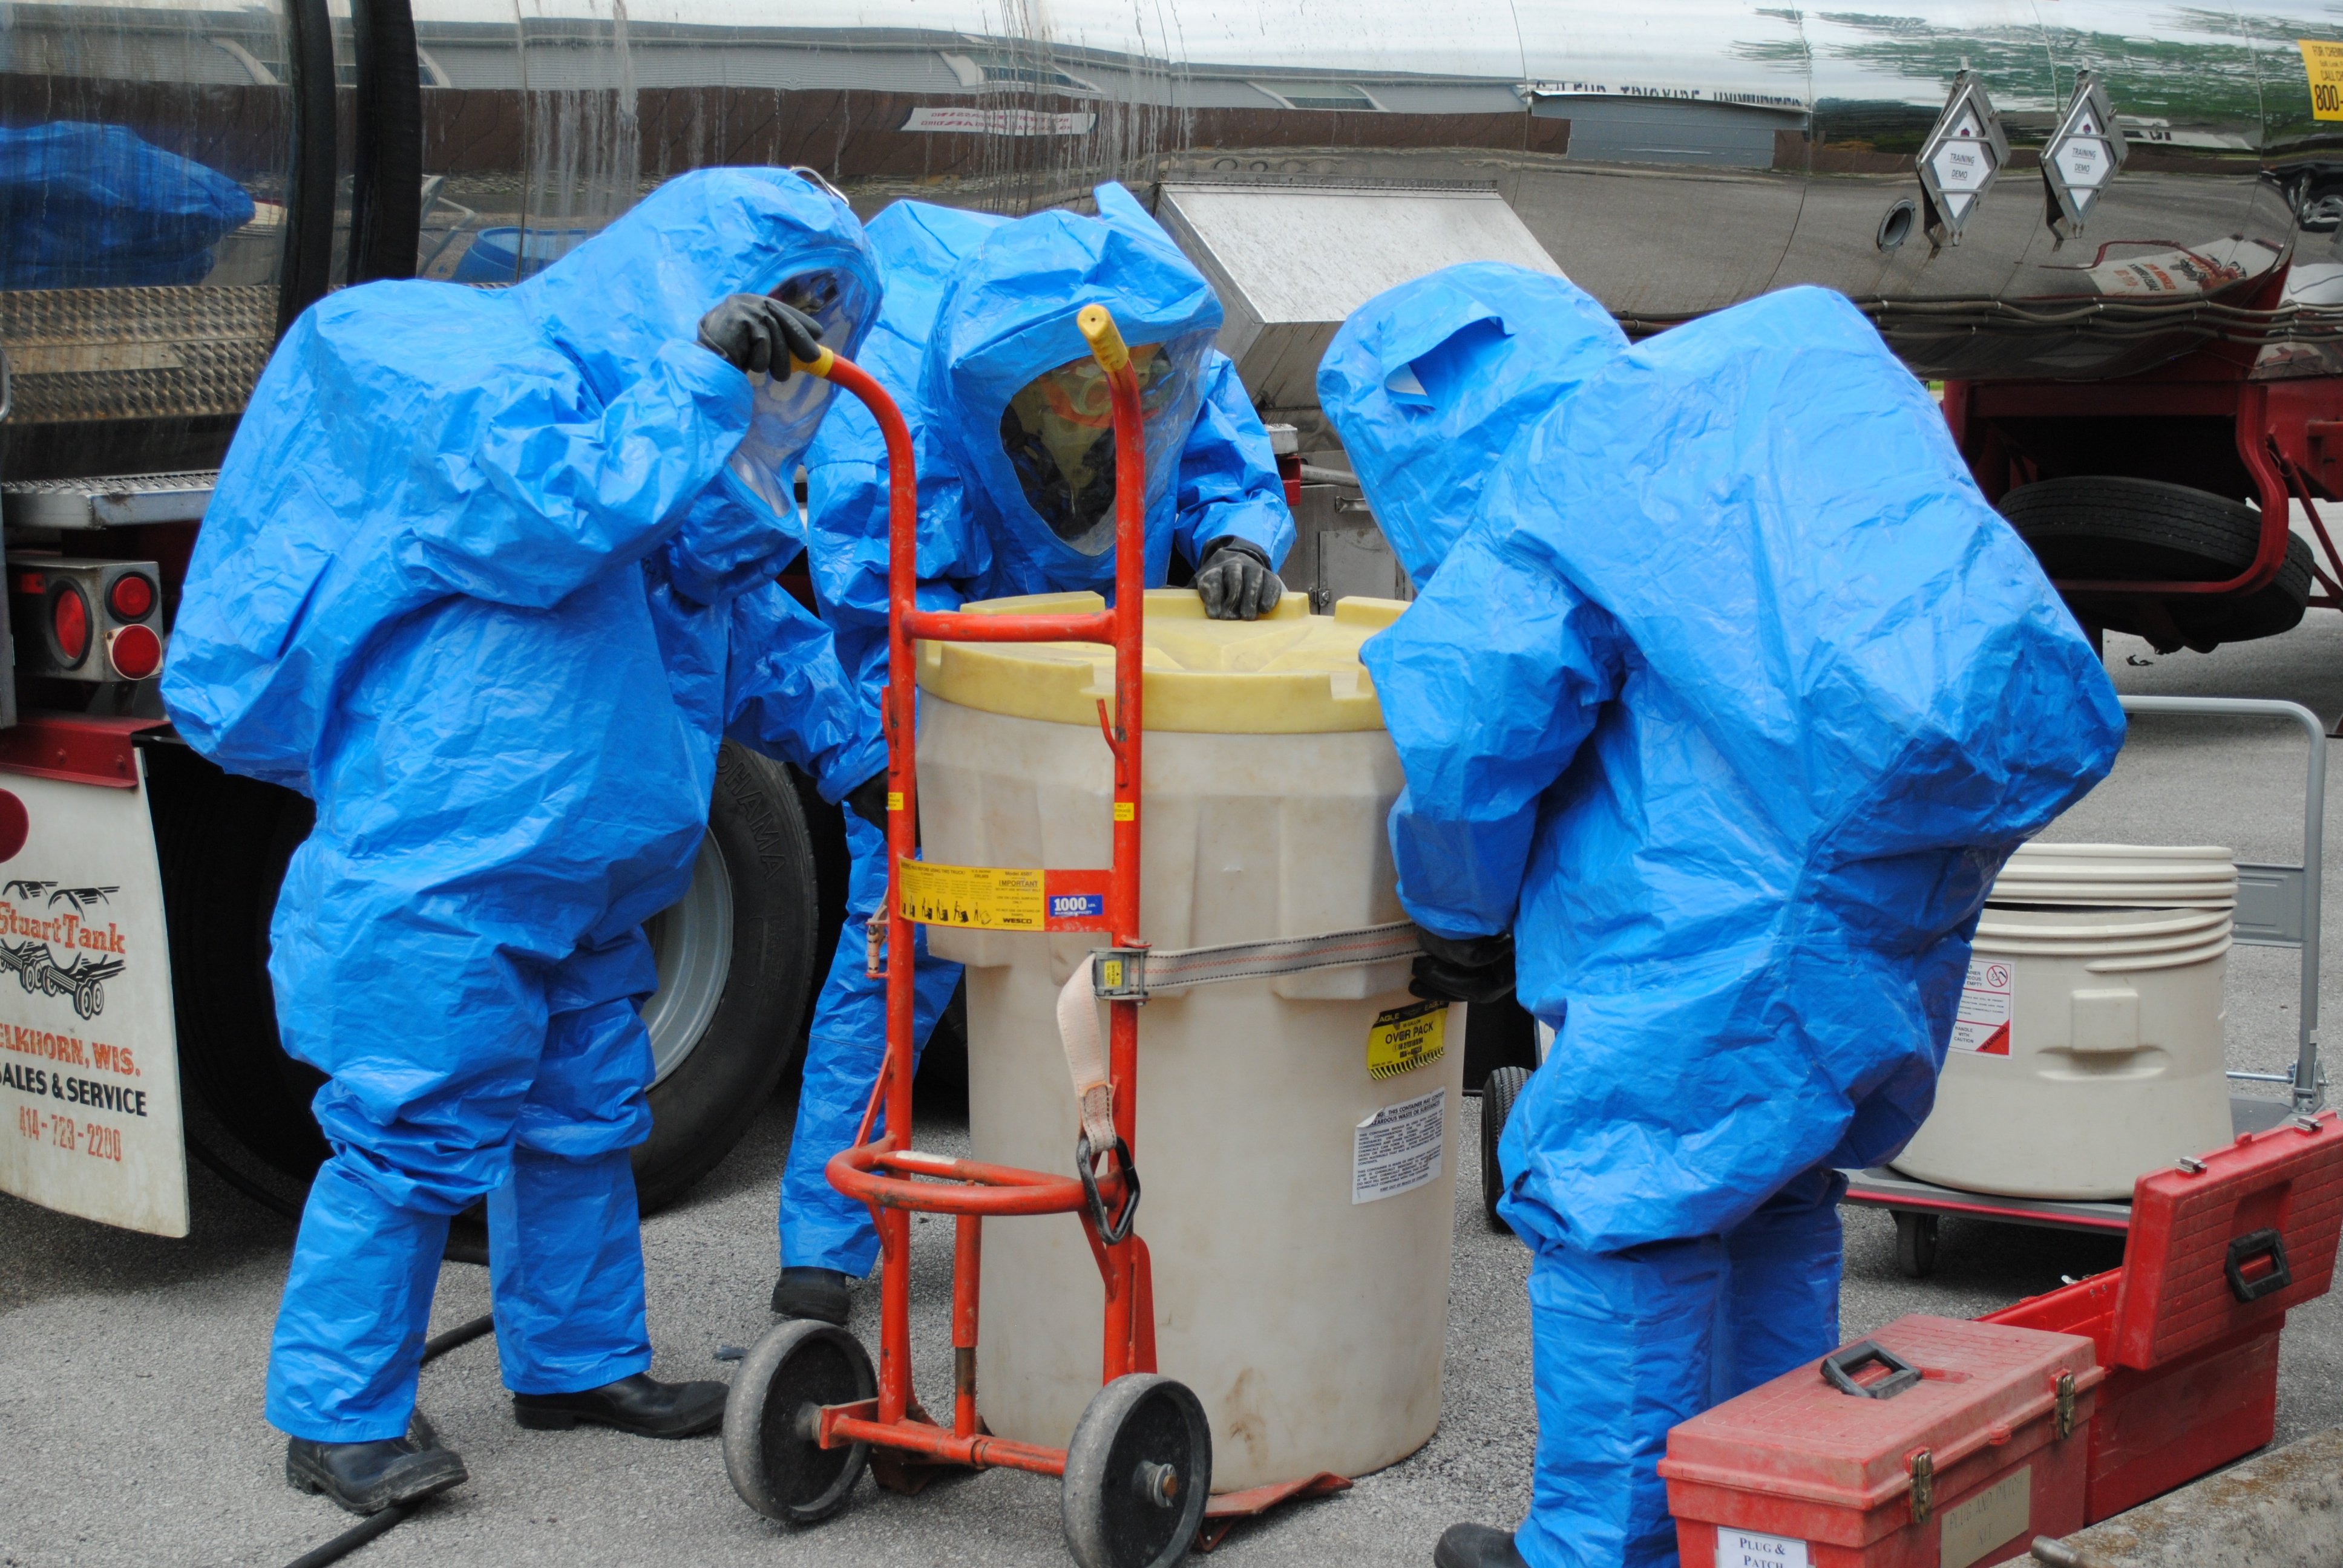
(1802, 1437)
(2228, 1241)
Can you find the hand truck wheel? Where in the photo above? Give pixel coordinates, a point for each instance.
(1915, 1244)
(770, 1450)
(1138, 1474)
(1497, 1096)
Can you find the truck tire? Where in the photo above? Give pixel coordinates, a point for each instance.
(736, 960)
(719, 1060)
(2141, 530)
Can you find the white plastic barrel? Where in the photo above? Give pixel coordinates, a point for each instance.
(1305, 1311)
(2088, 1046)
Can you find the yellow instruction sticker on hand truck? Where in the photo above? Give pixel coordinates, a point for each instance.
(982, 898)
(1407, 1038)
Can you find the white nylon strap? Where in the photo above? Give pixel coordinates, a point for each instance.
(1078, 1028)
(1175, 968)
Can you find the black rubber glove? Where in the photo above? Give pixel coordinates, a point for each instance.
(1236, 582)
(1465, 969)
(757, 332)
(868, 800)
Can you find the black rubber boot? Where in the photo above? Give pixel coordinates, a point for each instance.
(823, 1294)
(1477, 1546)
(368, 1477)
(640, 1404)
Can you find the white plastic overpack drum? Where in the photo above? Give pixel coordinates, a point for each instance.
(2088, 1044)
(1296, 1136)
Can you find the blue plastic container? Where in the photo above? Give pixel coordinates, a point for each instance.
(507, 255)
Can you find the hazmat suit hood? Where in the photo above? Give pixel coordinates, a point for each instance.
(643, 283)
(1430, 382)
(1042, 449)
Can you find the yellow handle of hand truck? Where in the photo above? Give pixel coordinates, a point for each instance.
(1104, 337)
(817, 366)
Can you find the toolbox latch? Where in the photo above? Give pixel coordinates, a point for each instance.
(2062, 1419)
(1924, 1486)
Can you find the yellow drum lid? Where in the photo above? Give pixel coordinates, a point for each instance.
(1287, 673)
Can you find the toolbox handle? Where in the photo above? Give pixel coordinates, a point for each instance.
(2244, 1249)
(1840, 1366)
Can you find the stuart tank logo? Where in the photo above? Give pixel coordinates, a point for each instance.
(64, 950)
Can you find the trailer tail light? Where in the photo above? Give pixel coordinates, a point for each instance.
(135, 652)
(132, 597)
(68, 625)
(81, 619)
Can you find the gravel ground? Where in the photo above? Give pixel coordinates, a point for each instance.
(130, 1398)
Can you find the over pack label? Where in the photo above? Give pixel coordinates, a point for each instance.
(1406, 1038)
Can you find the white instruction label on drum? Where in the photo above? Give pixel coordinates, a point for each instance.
(1746, 1549)
(1982, 1024)
(1398, 1147)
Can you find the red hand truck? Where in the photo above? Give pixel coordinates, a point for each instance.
(806, 1412)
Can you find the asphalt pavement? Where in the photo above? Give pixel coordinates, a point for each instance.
(131, 1429)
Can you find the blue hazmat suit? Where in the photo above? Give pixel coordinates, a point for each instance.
(86, 206)
(977, 308)
(1728, 696)
(489, 576)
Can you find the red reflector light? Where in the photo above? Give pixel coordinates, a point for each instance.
(31, 582)
(131, 596)
(136, 652)
(69, 624)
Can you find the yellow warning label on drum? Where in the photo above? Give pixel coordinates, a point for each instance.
(983, 898)
(2322, 62)
(1407, 1038)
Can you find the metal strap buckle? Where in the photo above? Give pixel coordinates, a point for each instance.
(1119, 974)
(2063, 1421)
(1924, 1486)
(1111, 1231)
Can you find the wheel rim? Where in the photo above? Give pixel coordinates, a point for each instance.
(1137, 1489)
(691, 942)
(777, 1466)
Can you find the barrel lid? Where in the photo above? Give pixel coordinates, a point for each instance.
(1287, 673)
(2137, 876)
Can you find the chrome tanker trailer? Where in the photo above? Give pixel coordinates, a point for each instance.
(2109, 230)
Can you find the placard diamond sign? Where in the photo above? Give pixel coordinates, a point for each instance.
(2081, 157)
(1962, 157)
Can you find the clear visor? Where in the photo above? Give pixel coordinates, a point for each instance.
(1058, 434)
(788, 412)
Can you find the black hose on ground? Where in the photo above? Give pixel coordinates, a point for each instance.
(350, 1540)
(439, 1345)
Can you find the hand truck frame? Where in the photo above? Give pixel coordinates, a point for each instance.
(807, 1413)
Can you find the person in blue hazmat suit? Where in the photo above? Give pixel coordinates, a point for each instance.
(1725, 697)
(489, 576)
(1015, 442)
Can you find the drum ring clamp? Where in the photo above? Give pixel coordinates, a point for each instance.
(1112, 1232)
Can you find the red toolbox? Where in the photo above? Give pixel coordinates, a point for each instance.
(1934, 1444)
(2219, 1248)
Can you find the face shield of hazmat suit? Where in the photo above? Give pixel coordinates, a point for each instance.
(1729, 701)
(482, 578)
(977, 343)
